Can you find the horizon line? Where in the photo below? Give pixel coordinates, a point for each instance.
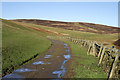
(59, 21)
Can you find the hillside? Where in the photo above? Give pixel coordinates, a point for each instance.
(17, 45)
(78, 26)
(24, 41)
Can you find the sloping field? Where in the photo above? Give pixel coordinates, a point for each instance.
(20, 44)
(78, 26)
(106, 39)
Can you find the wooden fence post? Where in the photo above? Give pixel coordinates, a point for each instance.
(102, 55)
(94, 49)
(81, 42)
(100, 51)
(84, 43)
(91, 49)
(90, 45)
(112, 72)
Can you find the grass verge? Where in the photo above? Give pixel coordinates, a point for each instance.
(86, 66)
(83, 65)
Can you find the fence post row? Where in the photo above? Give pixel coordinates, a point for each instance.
(92, 50)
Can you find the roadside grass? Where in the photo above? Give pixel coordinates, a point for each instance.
(20, 45)
(86, 66)
(83, 65)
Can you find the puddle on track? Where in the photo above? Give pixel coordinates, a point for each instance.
(67, 50)
(40, 62)
(61, 73)
(24, 70)
(65, 45)
(13, 76)
(47, 56)
(56, 72)
(67, 56)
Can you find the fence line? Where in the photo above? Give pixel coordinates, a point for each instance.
(108, 58)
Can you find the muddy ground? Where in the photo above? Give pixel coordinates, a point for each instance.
(52, 64)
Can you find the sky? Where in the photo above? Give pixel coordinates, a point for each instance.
(105, 13)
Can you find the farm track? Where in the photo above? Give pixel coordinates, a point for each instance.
(52, 64)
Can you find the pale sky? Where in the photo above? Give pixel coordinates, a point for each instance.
(92, 12)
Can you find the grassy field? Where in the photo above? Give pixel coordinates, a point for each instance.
(100, 38)
(20, 44)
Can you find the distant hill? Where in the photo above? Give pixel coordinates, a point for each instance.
(78, 26)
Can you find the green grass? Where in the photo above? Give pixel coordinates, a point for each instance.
(87, 65)
(83, 65)
(20, 44)
(100, 38)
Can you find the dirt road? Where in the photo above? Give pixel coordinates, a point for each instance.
(52, 64)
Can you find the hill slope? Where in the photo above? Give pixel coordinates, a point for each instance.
(20, 44)
(23, 41)
(78, 26)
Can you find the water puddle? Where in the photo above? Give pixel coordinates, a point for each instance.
(62, 70)
(47, 56)
(12, 76)
(40, 62)
(24, 70)
(63, 64)
(67, 56)
(56, 72)
(67, 50)
(66, 47)
(61, 73)
(65, 44)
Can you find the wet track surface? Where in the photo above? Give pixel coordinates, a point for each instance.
(51, 64)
